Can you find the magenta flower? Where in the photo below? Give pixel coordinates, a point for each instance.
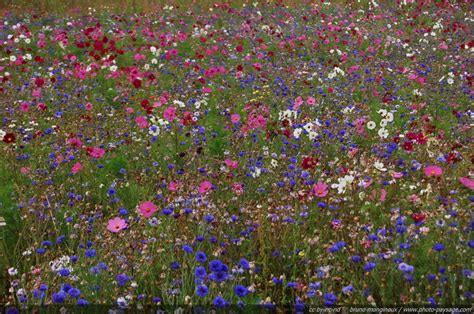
(469, 183)
(204, 187)
(320, 189)
(433, 171)
(231, 163)
(116, 224)
(169, 114)
(142, 122)
(234, 118)
(147, 209)
(95, 152)
(76, 168)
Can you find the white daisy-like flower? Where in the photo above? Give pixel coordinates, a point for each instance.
(382, 112)
(389, 117)
(371, 125)
(312, 135)
(297, 132)
(383, 133)
(2, 134)
(383, 123)
(380, 166)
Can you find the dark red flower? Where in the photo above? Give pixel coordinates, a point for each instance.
(408, 146)
(418, 217)
(309, 162)
(137, 83)
(9, 138)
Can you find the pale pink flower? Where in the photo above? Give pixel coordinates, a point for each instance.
(311, 101)
(116, 224)
(89, 106)
(397, 175)
(238, 188)
(320, 189)
(147, 209)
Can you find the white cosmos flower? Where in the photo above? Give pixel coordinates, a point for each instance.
(274, 163)
(383, 123)
(2, 134)
(382, 112)
(297, 132)
(383, 133)
(389, 117)
(371, 125)
(379, 166)
(312, 135)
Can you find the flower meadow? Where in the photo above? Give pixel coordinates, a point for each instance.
(239, 155)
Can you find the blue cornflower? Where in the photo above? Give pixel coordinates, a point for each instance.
(59, 297)
(241, 291)
(201, 257)
(202, 290)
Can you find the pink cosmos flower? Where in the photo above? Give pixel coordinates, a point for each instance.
(238, 188)
(469, 183)
(231, 163)
(320, 189)
(147, 209)
(41, 106)
(298, 102)
(142, 122)
(24, 107)
(95, 152)
(397, 175)
(76, 168)
(138, 57)
(116, 224)
(204, 187)
(74, 141)
(173, 186)
(433, 171)
(25, 170)
(234, 118)
(169, 114)
(311, 100)
(88, 106)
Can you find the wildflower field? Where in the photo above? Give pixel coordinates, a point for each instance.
(257, 155)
